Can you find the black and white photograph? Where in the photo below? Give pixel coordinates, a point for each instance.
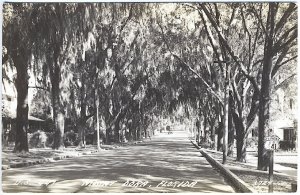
(149, 97)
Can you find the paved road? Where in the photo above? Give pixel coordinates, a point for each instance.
(167, 163)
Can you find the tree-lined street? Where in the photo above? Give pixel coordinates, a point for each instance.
(95, 75)
(164, 158)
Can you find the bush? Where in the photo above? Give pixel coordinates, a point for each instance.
(50, 139)
(251, 142)
(205, 145)
(286, 145)
(37, 139)
(71, 138)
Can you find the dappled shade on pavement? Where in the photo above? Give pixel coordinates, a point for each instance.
(167, 157)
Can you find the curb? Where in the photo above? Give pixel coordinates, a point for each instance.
(45, 160)
(233, 178)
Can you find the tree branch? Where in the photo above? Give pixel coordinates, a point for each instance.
(127, 19)
(259, 19)
(249, 35)
(278, 61)
(236, 95)
(225, 43)
(208, 87)
(278, 46)
(124, 109)
(285, 81)
(39, 87)
(285, 17)
(64, 55)
(253, 109)
(275, 69)
(211, 40)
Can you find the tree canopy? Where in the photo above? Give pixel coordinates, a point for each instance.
(124, 65)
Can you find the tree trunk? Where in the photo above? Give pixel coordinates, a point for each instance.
(82, 121)
(98, 124)
(81, 133)
(225, 133)
(230, 135)
(117, 131)
(145, 130)
(213, 135)
(264, 99)
(97, 104)
(198, 131)
(241, 149)
(241, 145)
(205, 131)
(107, 135)
(220, 136)
(59, 131)
(226, 113)
(241, 138)
(140, 131)
(21, 143)
(58, 114)
(264, 115)
(143, 126)
(130, 133)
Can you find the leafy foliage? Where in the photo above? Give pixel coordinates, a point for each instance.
(125, 66)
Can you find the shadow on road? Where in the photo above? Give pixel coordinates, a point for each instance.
(164, 158)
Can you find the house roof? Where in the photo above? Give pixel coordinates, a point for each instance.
(286, 127)
(6, 113)
(283, 123)
(13, 116)
(32, 118)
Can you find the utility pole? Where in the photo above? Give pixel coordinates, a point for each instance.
(97, 121)
(271, 169)
(296, 134)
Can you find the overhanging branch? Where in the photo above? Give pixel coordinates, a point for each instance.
(208, 87)
(225, 43)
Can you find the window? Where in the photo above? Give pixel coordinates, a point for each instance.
(291, 104)
(287, 134)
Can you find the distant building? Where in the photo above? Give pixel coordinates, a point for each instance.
(283, 115)
(9, 119)
(283, 111)
(9, 106)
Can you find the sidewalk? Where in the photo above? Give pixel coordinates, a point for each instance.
(40, 156)
(283, 176)
(47, 155)
(278, 167)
